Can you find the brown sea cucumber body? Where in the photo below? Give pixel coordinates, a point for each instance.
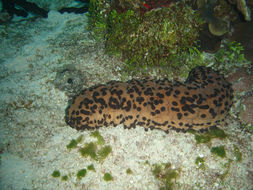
(199, 103)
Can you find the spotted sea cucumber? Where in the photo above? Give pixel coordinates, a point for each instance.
(199, 103)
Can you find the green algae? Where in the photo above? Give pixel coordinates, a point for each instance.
(104, 152)
(200, 162)
(129, 171)
(209, 135)
(164, 36)
(231, 57)
(91, 167)
(100, 139)
(202, 138)
(97, 18)
(81, 173)
(108, 177)
(56, 173)
(73, 143)
(89, 150)
(154, 38)
(237, 153)
(165, 174)
(217, 133)
(64, 178)
(219, 151)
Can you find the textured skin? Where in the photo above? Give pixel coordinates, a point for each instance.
(198, 104)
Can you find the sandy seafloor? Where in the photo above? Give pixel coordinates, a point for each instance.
(34, 135)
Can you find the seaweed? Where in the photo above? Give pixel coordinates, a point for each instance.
(238, 154)
(64, 178)
(209, 135)
(165, 174)
(73, 143)
(158, 36)
(200, 162)
(89, 149)
(219, 151)
(56, 173)
(108, 177)
(100, 139)
(81, 173)
(91, 167)
(104, 152)
(129, 171)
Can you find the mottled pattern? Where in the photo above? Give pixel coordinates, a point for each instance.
(199, 103)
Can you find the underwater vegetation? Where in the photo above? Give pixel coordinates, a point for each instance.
(165, 174)
(108, 177)
(200, 162)
(209, 135)
(150, 38)
(81, 173)
(73, 143)
(97, 151)
(100, 139)
(230, 57)
(56, 173)
(129, 171)
(219, 151)
(91, 150)
(162, 35)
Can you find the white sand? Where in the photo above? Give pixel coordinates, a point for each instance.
(34, 135)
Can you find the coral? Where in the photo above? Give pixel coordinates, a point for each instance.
(242, 7)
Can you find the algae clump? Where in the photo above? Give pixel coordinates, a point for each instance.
(89, 149)
(108, 177)
(56, 173)
(97, 135)
(155, 37)
(91, 167)
(238, 154)
(81, 173)
(73, 143)
(64, 178)
(219, 151)
(165, 174)
(200, 162)
(104, 152)
(208, 136)
(129, 171)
